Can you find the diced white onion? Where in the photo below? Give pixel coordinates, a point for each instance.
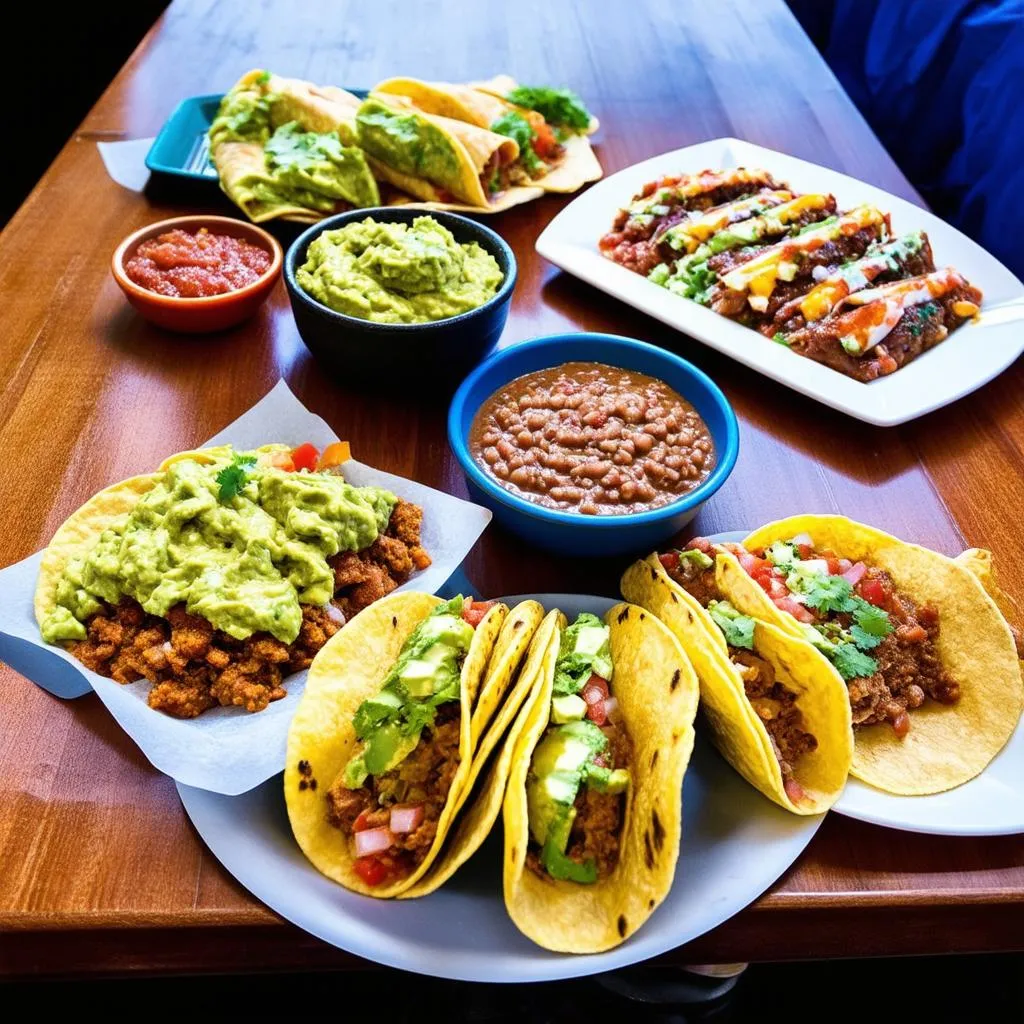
(168, 649)
(855, 573)
(406, 819)
(818, 565)
(611, 705)
(803, 538)
(373, 840)
(335, 613)
(819, 274)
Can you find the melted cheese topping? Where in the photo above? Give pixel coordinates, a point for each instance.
(701, 184)
(701, 225)
(878, 310)
(757, 277)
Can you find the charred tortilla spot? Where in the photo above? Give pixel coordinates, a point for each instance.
(654, 758)
(654, 573)
(643, 615)
(305, 769)
(518, 624)
(650, 904)
(676, 676)
(622, 925)
(689, 614)
(312, 784)
(623, 615)
(394, 622)
(302, 784)
(659, 830)
(513, 853)
(648, 851)
(674, 597)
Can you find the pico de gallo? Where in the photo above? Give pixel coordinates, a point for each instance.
(774, 703)
(389, 798)
(879, 639)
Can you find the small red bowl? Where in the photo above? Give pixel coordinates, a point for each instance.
(214, 312)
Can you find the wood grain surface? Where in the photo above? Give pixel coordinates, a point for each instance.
(102, 872)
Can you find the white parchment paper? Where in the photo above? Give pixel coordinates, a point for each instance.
(227, 750)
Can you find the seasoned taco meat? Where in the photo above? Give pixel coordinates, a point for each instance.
(422, 779)
(194, 667)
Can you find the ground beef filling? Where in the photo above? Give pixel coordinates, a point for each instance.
(194, 667)
(597, 830)
(775, 704)
(423, 778)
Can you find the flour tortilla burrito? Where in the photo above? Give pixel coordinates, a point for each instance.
(285, 148)
(592, 809)
(929, 662)
(555, 161)
(380, 749)
(437, 159)
(778, 716)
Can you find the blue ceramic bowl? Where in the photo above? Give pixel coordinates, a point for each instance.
(571, 533)
(375, 353)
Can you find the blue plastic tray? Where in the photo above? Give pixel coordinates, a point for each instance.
(181, 149)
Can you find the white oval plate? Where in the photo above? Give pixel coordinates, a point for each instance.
(735, 845)
(992, 804)
(972, 356)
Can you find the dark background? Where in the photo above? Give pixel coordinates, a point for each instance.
(84, 47)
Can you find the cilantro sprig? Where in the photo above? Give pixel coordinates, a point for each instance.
(232, 478)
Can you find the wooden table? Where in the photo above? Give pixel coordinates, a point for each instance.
(102, 872)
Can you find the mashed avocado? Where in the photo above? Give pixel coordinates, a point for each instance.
(398, 273)
(244, 558)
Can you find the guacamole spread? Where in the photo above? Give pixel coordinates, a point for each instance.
(238, 541)
(398, 273)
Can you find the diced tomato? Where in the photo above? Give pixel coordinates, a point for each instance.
(597, 713)
(834, 568)
(282, 460)
(794, 790)
(901, 724)
(795, 608)
(776, 588)
(670, 560)
(544, 143)
(473, 612)
(804, 550)
(360, 823)
(305, 457)
(334, 455)
(372, 870)
(595, 685)
(874, 591)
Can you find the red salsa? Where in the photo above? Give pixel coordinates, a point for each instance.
(193, 266)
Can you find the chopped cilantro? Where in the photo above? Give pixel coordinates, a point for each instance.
(828, 593)
(737, 629)
(872, 619)
(560, 107)
(852, 663)
(263, 78)
(232, 478)
(864, 640)
(515, 126)
(780, 339)
(692, 279)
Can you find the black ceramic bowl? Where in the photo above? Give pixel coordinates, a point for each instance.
(441, 351)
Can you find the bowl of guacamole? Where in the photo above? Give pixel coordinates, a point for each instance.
(390, 293)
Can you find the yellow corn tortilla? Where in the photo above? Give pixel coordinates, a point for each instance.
(347, 670)
(657, 692)
(472, 827)
(240, 165)
(736, 729)
(473, 148)
(947, 745)
(577, 165)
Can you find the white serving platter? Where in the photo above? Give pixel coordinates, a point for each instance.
(971, 357)
(735, 844)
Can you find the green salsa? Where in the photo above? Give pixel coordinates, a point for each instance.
(245, 557)
(398, 273)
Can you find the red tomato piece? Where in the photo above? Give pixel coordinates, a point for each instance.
(670, 560)
(360, 823)
(282, 460)
(305, 456)
(804, 550)
(874, 591)
(597, 713)
(595, 682)
(795, 608)
(544, 143)
(372, 870)
(473, 612)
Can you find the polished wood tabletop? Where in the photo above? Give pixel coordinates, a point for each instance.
(101, 870)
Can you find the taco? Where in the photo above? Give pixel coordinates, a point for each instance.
(555, 159)
(592, 809)
(776, 713)
(222, 573)
(438, 159)
(561, 108)
(929, 662)
(286, 148)
(380, 748)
